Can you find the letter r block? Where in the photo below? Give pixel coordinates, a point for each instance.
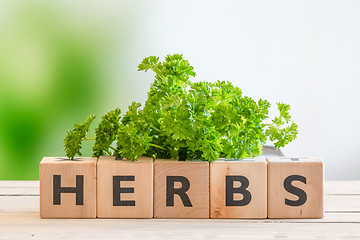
(125, 188)
(295, 188)
(238, 188)
(68, 188)
(181, 189)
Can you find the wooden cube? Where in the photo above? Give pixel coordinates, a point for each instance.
(238, 188)
(181, 189)
(295, 188)
(125, 188)
(68, 188)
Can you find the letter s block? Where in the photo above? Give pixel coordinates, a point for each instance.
(125, 188)
(68, 188)
(238, 188)
(181, 189)
(295, 188)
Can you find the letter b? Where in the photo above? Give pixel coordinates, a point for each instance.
(230, 191)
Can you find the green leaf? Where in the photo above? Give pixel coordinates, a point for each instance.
(74, 138)
(147, 63)
(280, 131)
(106, 133)
(132, 143)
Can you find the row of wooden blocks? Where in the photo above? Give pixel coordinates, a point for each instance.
(115, 188)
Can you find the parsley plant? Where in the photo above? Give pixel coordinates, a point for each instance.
(186, 120)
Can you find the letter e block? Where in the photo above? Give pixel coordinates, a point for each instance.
(295, 188)
(68, 188)
(238, 188)
(181, 189)
(125, 188)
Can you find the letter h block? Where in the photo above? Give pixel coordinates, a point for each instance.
(68, 188)
(238, 188)
(125, 188)
(181, 189)
(295, 188)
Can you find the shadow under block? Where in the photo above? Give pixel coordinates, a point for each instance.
(238, 188)
(181, 189)
(125, 188)
(68, 188)
(295, 188)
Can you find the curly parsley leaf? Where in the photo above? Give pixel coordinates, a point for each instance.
(106, 133)
(132, 143)
(281, 132)
(74, 138)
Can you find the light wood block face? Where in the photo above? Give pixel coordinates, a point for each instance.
(238, 189)
(295, 188)
(181, 189)
(68, 188)
(125, 188)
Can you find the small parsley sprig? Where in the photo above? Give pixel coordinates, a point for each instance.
(74, 138)
(186, 120)
(106, 133)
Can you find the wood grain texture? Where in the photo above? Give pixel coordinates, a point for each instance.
(30, 226)
(342, 187)
(17, 184)
(142, 171)
(68, 170)
(330, 186)
(30, 204)
(328, 218)
(255, 171)
(197, 173)
(19, 219)
(280, 169)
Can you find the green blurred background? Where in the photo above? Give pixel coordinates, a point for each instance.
(61, 60)
(54, 71)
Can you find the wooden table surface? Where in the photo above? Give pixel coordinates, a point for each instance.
(19, 219)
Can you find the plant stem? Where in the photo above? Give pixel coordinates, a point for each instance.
(157, 146)
(92, 134)
(89, 139)
(269, 124)
(157, 71)
(155, 128)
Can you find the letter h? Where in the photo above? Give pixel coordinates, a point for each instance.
(79, 189)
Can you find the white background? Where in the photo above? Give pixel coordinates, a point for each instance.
(304, 53)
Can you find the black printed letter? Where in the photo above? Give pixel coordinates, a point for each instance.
(117, 190)
(57, 189)
(171, 190)
(294, 190)
(230, 190)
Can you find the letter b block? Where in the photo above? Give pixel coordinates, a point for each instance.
(125, 188)
(238, 188)
(68, 188)
(181, 189)
(295, 188)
